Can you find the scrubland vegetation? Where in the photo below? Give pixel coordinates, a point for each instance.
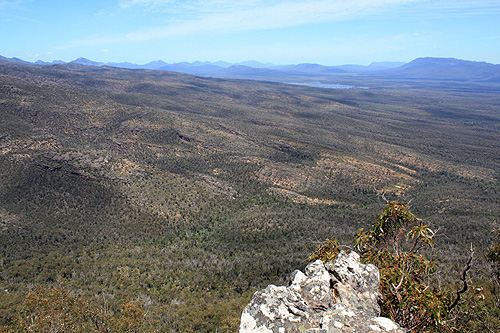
(412, 294)
(154, 201)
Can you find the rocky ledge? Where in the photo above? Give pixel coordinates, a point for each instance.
(341, 296)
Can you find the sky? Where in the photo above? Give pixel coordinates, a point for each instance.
(327, 32)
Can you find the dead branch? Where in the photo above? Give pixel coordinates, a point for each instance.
(464, 279)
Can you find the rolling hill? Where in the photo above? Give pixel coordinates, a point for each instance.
(182, 195)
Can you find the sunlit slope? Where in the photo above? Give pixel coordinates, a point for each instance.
(213, 187)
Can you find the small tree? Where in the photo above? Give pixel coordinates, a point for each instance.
(393, 245)
(55, 309)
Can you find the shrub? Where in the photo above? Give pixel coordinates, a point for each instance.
(55, 309)
(393, 244)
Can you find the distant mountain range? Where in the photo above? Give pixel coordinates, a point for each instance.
(447, 69)
(222, 66)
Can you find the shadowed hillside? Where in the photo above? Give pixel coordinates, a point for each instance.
(186, 194)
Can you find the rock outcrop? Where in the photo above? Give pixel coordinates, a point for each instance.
(341, 296)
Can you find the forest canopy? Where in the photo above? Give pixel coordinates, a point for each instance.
(170, 198)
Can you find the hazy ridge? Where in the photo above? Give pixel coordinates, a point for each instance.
(189, 193)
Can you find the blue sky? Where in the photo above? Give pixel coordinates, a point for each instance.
(329, 32)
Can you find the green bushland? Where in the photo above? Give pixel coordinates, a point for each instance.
(184, 195)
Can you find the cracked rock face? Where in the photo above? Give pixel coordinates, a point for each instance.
(341, 296)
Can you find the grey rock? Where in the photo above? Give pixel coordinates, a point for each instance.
(341, 296)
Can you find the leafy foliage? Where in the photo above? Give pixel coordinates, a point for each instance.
(406, 277)
(326, 252)
(54, 309)
(393, 244)
(190, 193)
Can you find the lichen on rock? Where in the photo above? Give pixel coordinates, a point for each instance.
(341, 296)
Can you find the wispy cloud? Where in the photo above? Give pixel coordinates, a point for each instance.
(246, 17)
(455, 8)
(448, 6)
(11, 4)
(27, 19)
(149, 3)
(15, 10)
(209, 17)
(192, 5)
(466, 6)
(491, 38)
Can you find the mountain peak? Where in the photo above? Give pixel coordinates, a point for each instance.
(86, 62)
(447, 69)
(157, 64)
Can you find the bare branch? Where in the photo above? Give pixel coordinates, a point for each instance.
(400, 282)
(383, 197)
(464, 279)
